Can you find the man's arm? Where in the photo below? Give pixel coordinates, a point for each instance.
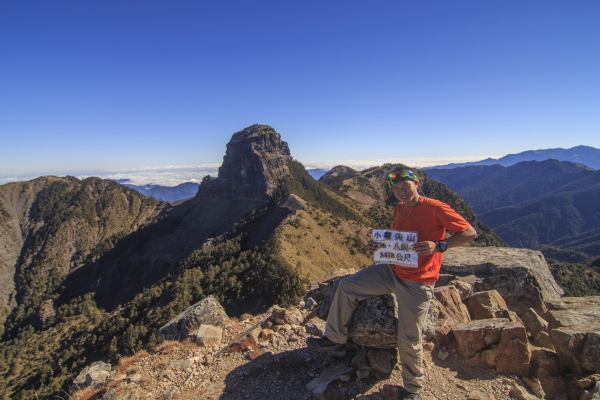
(426, 248)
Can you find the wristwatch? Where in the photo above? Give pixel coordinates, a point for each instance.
(441, 246)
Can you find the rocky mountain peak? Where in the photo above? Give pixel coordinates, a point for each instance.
(255, 161)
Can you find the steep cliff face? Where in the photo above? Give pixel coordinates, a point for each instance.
(255, 161)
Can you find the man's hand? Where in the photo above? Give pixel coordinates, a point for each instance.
(425, 248)
(372, 246)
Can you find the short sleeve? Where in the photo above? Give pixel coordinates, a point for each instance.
(450, 219)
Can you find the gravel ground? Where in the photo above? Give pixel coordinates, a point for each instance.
(281, 369)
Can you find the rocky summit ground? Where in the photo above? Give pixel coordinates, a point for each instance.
(255, 363)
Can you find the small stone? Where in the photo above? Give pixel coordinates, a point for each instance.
(180, 364)
(391, 392)
(345, 378)
(310, 303)
(443, 355)
(479, 395)
(254, 354)
(428, 346)
(362, 373)
(267, 323)
(535, 386)
(266, 334)
(171, 392)
(300, 331)
(521, 394)
(380, 360)
(208, 359)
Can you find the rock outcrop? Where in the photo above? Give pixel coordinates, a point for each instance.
(521, 276)
(255, 161)
(92, 376)
(207, 311)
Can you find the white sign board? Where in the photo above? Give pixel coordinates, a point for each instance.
(396, 247)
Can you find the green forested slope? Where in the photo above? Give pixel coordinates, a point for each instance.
(499, 186)
(554, 219)
(38, 362)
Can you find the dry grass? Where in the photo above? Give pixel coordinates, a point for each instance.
(85, 394)
(125, 363)
(167, 345)
(314, 243)
(246, 316)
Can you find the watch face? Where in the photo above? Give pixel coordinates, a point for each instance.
(443, 246)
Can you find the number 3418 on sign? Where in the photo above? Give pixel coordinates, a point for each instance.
(396, 247)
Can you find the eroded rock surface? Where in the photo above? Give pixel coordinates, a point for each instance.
(521, 276)
(207, 311)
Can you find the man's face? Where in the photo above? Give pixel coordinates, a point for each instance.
(406, 192)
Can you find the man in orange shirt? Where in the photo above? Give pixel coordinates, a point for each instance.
(413, 287)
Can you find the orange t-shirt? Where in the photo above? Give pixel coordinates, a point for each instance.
(430, 218)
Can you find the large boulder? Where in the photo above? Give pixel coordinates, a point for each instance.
(485, 305)
(521, 276)
(544, 367)
(92, 376)
(473, 336)
(578, 348)
(374, 322)
(207, 311)
(575, 324)
(494, 343)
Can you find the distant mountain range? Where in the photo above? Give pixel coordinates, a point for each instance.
(533, 203)
(586, 155)
(164, 193)
(316, 173)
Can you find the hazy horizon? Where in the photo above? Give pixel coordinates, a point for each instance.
(173, 175)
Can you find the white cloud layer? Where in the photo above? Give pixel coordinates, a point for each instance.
(173, 175)
(169, 175)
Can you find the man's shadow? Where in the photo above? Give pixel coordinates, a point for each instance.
(286, 375)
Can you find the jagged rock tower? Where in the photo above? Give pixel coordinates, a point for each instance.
(255, 161)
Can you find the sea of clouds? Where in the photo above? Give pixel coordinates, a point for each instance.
(173, 175)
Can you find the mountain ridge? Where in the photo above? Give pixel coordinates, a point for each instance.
(530, 203)
(586, 155)
(238, 239)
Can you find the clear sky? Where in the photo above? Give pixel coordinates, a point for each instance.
(112, 85)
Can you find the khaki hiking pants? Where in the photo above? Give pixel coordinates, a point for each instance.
(413, 303)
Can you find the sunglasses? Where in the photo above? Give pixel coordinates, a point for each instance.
(398, 176)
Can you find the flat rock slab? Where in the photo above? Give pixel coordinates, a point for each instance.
(320, 385)
(574, 311)
(521, 276)
(475, 335)
(209, 335)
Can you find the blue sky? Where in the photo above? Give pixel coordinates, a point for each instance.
(92, 86)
